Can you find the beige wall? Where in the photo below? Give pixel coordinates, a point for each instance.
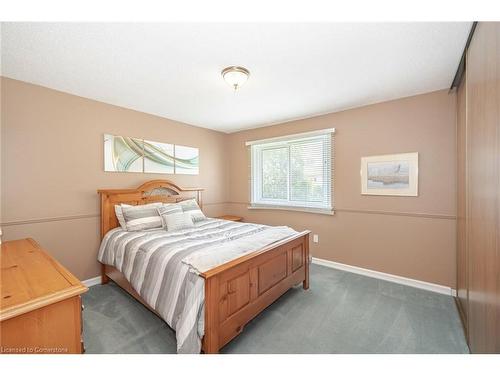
(52, 165)
(408, 236)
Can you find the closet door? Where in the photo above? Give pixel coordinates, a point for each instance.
(483, 187)
(462, 292)
(497, 90)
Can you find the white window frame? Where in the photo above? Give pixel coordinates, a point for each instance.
(257, 147)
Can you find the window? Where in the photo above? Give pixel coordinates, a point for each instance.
(293, 172)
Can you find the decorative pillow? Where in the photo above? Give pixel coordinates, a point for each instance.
(166, 210)
(142, 217)
(191, 206)
(119, 214)
(179, 220)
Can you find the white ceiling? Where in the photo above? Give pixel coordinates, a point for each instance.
(173, 70)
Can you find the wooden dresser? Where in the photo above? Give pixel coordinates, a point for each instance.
(40, 305)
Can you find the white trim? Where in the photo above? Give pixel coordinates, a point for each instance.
(257, 174)
(291, 136)
(441, 289)
(311, 210)
(91, 282)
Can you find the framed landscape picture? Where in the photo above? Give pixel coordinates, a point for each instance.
(395, 174)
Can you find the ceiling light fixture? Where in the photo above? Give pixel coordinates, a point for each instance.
(235, 76)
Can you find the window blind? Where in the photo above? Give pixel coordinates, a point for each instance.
(293, 171)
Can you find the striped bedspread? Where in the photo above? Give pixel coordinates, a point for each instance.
(163, 267)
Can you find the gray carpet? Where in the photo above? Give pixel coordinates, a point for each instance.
(340, 313)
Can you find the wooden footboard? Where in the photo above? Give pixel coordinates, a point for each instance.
(237, 291)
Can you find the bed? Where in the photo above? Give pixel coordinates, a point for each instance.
(222, 273)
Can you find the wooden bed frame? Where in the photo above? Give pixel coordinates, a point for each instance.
(235, 292)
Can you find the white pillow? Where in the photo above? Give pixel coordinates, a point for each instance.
(177, 221)
(119, 215)
(142, 217)
(191, 206)
(167, 210)
(119, 211)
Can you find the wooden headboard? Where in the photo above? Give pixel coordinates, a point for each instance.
(151, 191)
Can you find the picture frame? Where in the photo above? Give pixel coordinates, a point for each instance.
(394, 174)
(129, 154)
(123, 154)
(158, 157)
(187, 160)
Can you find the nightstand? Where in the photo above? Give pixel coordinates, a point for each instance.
(230, 217)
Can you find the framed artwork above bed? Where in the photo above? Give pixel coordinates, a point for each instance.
(158, 157)
(186, 160)
(395, 174)
(127, 154)
(123, 154)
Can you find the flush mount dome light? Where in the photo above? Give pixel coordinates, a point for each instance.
(235, 76)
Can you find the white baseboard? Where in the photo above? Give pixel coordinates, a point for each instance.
(91, 282)
(387, 277)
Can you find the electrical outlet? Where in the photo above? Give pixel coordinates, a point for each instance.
(315, 238)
